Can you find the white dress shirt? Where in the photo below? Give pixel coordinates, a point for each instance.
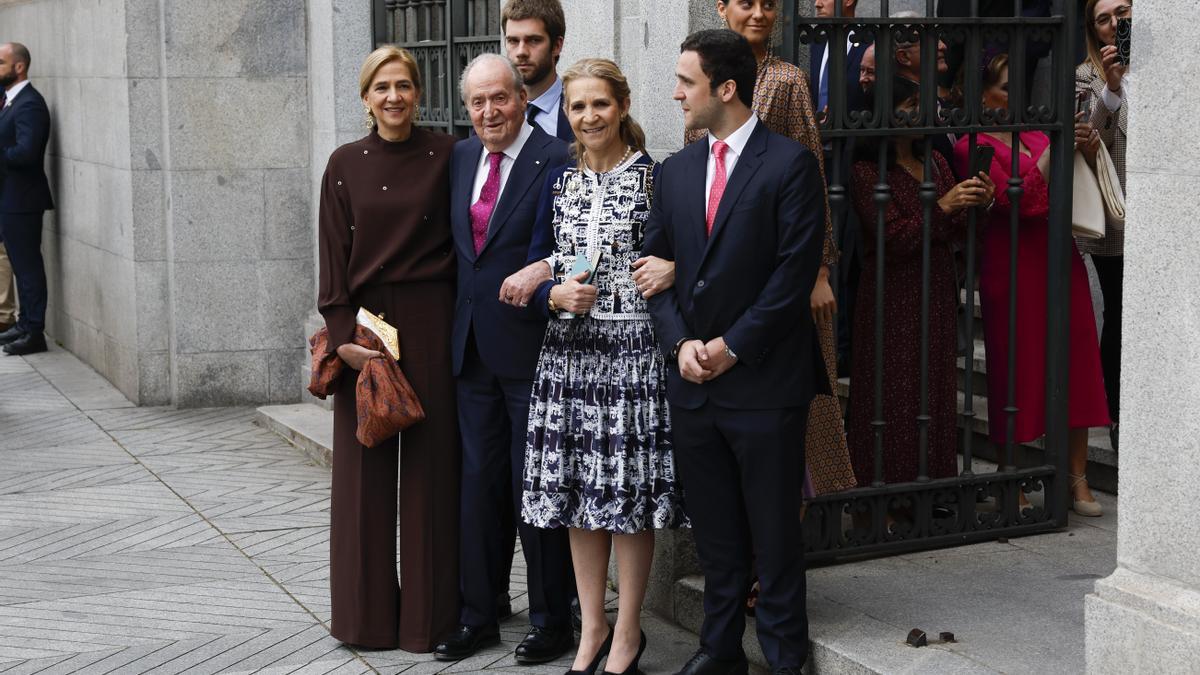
(850, 43)
(1113, 99)
(506, 163)
(548, 104)
(737, 143)
(12, 92)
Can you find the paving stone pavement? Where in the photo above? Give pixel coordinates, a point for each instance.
(138, 540)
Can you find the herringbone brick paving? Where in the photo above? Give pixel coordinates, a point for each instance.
(138, 540)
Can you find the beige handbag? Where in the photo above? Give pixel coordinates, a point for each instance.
(1097, 199)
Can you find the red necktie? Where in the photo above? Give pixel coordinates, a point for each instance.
(481, 211)
(718, 183)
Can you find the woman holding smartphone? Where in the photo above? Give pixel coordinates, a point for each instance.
(1086, 400)
(903, 232)
(1104, 75)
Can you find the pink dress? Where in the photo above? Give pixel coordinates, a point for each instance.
(1087, 406)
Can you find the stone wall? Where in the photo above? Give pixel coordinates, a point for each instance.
(79, 66)
(180, 259)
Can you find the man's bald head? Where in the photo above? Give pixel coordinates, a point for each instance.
(18, 53)
(14, 63)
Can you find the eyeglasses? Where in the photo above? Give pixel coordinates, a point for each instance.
(1121, 12)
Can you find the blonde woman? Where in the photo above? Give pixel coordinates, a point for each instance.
(1104, 77)
(384, 236)
(600, 459)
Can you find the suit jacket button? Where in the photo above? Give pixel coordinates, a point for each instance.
(477, 268)
(700, 284)
(468, 300)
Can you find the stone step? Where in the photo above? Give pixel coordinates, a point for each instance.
(1102, 459)
(307, 426)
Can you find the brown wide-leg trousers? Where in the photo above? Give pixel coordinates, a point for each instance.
(371, 607)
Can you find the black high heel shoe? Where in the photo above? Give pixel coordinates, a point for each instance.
(633, 665)
(600, 654)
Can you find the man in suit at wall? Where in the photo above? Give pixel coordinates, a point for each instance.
(496, 181)
(742, 213)
(8, 292)
(533, 38)
(24, 196)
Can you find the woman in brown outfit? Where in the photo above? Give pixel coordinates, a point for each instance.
(384, 241)
(783, 103)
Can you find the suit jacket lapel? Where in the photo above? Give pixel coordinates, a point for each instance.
(526, 168)
(747, 165)
(695, 205)
(464, 184)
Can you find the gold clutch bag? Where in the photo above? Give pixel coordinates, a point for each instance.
(386, 332)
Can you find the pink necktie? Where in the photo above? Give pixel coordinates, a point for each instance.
(481, 211)
(718, 183)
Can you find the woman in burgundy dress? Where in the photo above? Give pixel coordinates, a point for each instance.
(902, 306)
(1087, 406)
(385, 245)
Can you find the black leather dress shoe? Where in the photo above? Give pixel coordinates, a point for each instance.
(703, 664)
(33, 343)
(542, 645)
(465, 640)
(12, 334)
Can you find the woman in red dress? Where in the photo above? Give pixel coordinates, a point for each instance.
(903, 221)
(1087, 406)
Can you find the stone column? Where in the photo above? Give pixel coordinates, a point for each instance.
(1145, 618)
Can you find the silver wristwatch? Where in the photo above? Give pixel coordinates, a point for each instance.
(729, 352)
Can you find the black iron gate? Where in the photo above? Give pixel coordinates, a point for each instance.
(949, 511)
(443, 36)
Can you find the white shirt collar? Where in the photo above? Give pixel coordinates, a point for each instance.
(738, 139)
(12, 91)
(550, 99)
(514, 148)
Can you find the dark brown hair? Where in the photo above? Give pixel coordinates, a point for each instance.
(549, 11)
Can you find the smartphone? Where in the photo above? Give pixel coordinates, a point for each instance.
(1124, 30)
(983, 160)
(1082, 102)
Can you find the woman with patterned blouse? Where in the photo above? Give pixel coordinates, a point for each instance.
(782, 101)
(599, 458)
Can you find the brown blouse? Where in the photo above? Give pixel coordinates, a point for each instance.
(384, 219)
(783, 102)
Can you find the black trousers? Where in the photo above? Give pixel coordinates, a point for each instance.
(1110, 270)
(22, 236)
(493, 413)
(739, 470)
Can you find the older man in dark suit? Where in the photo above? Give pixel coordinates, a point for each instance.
(24, 196)
(496, 181)
(741, 213)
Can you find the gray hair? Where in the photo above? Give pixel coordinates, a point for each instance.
(484, 58)
(906, 14)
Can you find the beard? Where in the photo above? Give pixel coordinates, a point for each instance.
(540, 72)
(8, 79)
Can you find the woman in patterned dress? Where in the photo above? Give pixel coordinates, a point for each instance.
(599, 458)
(783, 102)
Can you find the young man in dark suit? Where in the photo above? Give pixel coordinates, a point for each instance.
(24, 196)
(534, 31)
(496, 182)
(742, 214)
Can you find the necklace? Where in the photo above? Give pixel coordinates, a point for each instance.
(628, 152)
